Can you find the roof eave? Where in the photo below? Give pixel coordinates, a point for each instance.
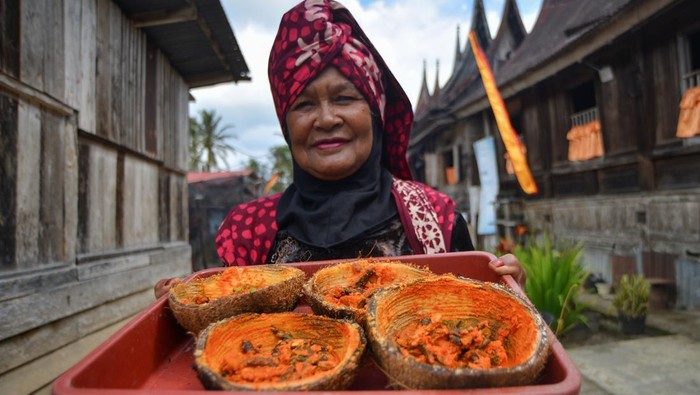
(224, 62)
(582, 47)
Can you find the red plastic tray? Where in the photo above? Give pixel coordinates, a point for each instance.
(152, 354)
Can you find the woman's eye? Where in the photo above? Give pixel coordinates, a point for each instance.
(300, 105)
(345, 99)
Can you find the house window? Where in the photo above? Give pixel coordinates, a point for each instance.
(689, 117)
(690, 62)
(585, 138)
(583, 97)
(451, 172)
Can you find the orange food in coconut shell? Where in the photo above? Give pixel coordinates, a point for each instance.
(342, 290)
(250, 289)
(448, 332)
(279, 352)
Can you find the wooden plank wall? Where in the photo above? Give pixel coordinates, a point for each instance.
(86, 84)
(81, 202)
(8, 177)
(140, 220)
(557, 123)
(120, 78)
(9, 37)
(28, 196)
(9, 65)
(94, 294)
(45, 187)
(172, 115)
(620, 100)
(179, 229)
(661, 64)
(98, 196)
(100, 74)
(173, 219)
(537, 140)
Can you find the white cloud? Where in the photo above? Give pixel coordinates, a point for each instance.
(529, 18)
(406, 32)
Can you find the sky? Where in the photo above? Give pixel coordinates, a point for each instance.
(407, 33)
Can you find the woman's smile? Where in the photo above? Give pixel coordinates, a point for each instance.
(330, 144)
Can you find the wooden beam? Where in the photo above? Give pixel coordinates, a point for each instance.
(46, 368)
(213, 78)
(214, 44)
(26, 92)
(184, 14)
(31, 345)
(159, 18)
(102, 283)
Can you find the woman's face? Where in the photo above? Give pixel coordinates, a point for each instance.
(330, 127)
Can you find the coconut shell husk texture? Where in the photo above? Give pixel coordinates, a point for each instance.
(352, 276)
(345, 337)
(278, 289)
(454, 299)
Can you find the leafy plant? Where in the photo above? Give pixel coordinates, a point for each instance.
(277, 167)
(632, 296)
(209, 141)
(554, 275)
(195, 147)
(282, 165)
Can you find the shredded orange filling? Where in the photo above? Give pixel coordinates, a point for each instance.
(290, 359)
(365, 280)
(463, 344)
(229, 282)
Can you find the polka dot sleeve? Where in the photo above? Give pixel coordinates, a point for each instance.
(246, 234)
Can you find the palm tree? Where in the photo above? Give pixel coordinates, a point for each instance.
(282, 166)
(211, 140)
(195, 146)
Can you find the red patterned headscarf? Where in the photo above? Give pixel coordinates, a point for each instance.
(316, 34)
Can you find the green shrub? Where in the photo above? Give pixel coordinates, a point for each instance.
(554, 276)
(632, 296)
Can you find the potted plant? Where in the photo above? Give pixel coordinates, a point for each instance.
(632, 301)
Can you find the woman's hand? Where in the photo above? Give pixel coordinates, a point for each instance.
(509, 264)
(163, 286)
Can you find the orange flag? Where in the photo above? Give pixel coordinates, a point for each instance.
(510, 139)
(270, 183)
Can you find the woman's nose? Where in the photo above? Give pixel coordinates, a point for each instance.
(327, 116)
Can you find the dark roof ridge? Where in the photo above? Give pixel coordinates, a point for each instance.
(480, 25)
(424, 94)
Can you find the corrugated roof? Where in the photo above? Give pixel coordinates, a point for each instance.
(193, 177)
(465, 78)
(558, 25)
(194, 35)
(562, 28)
(462, 75)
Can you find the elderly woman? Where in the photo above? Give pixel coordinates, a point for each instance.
(347, 122)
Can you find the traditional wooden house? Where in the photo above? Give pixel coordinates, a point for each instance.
(93, 210)
(212, 195)
(594, 91)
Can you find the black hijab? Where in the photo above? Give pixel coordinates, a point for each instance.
(327, 214)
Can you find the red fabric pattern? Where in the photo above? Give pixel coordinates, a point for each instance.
(246, 234)
(248, 231)
(429, 213)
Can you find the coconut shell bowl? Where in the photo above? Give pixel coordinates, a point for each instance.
(448, 332)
